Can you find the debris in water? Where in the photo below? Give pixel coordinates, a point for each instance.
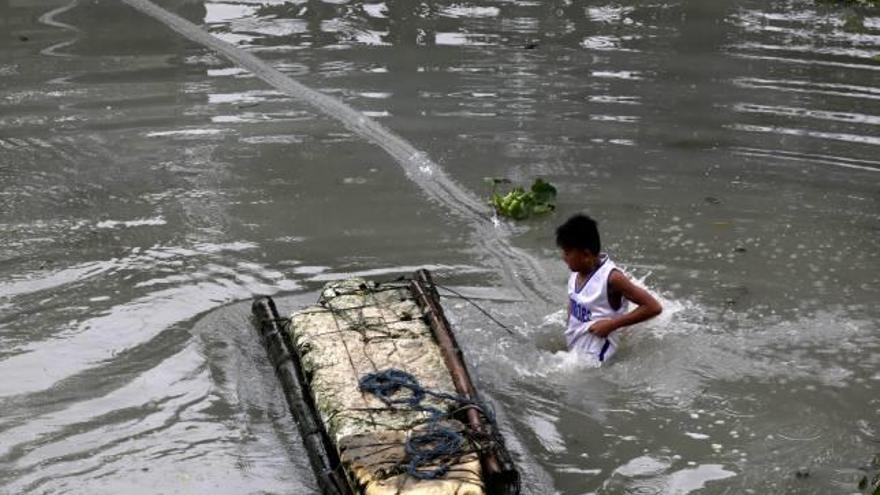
(519, 203)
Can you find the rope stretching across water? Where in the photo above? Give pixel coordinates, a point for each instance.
(520, 269)
(436, 442)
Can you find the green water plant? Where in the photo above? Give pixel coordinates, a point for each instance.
(870, 487)
(853, 13)
(519, 203)
(869, 483)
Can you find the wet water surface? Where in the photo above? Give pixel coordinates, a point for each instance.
(149, 187)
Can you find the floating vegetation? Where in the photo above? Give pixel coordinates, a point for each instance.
(852, 12)
(870, 482)
(851, 3)
(284, 10)
(519, 203)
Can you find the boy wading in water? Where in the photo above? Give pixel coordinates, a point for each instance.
(598, 292)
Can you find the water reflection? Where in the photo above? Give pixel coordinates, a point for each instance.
(147, 186)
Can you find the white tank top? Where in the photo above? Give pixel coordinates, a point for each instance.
(587, 304)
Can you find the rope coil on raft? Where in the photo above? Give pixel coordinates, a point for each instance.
(436, 442)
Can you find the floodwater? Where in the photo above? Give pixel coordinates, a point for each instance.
(149, 187)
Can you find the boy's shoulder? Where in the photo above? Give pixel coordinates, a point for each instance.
(616, 275)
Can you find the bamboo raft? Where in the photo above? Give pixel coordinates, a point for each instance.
(382, 396)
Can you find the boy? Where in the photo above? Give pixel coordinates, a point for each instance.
(597, 292)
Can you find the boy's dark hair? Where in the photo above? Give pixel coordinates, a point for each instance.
(579, 232)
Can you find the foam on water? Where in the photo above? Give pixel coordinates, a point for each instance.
(553, 364)
(112, 224)
(545, 362)
(49, 19)
(674, 357)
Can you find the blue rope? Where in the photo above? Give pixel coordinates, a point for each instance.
(437, 442)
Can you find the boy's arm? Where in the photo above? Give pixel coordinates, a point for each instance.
(648, 307)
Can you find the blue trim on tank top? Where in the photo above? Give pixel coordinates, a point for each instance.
(604, 350)
(595, 271)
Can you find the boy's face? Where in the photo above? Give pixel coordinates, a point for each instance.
(579, 260)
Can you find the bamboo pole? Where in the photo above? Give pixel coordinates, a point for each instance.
(283, 356)
(499, 472)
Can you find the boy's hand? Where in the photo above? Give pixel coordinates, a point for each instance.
(603, 328)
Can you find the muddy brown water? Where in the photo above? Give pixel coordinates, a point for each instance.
(149, 187)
